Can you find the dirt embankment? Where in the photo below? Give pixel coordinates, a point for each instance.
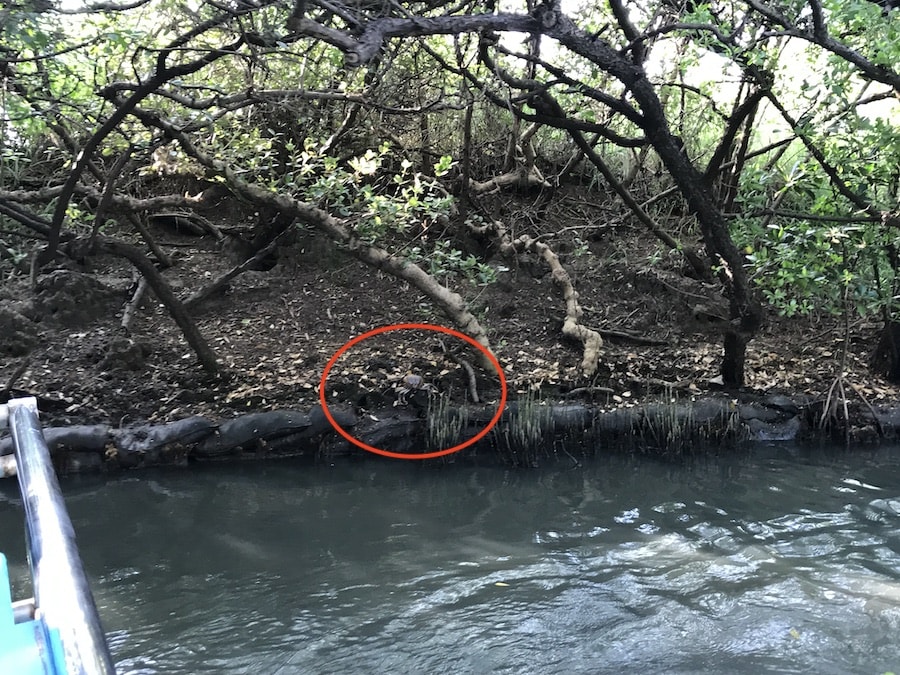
(275, 329)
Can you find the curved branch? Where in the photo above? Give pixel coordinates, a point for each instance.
(24, 217)
(451, 303)
(103, 7)
(534, 92)
(121, 202)
(51, 55)
(615, 104)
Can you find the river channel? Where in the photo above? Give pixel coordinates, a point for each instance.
(772, 560)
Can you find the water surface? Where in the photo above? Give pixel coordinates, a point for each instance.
(775, 561)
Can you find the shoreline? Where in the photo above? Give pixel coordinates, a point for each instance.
(529, 432)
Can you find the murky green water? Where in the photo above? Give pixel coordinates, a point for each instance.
(775, 562)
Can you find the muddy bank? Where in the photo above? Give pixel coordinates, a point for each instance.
(527, 434)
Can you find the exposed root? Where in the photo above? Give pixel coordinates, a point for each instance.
(870, 407)
(836, 408)
(526, 175)
(520, 179)
(133, 304)
(470, 372)
(571, 327)
(836, 403)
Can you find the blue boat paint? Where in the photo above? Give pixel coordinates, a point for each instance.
(63, 635)
(27, 647)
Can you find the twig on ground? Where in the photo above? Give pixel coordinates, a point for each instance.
(631, 337)
(588, 390)
(470, 371)
(133, 303)
(219, 283)
(17, 373)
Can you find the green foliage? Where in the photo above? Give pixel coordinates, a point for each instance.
(380, 205)
(805, 266)
(581, 248)
(444, 261)
(805, 269)
(864, 26)
(835, 259)
(376, 201)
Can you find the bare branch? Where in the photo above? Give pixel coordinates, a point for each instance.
(103, 7)
(361, 50)
(162, 75)
(812, 217)
(858, 200)
(109, 188)
(50, 55)
(823, 39)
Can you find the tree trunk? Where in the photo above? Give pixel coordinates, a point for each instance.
(145, 266)
(886, 357)
(734, 358)
(745, 309)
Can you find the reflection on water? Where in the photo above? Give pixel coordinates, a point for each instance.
(773, 562)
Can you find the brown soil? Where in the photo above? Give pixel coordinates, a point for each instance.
(275, 331)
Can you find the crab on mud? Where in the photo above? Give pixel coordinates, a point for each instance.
(409, 385)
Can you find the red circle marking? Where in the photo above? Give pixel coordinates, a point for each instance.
(413, 326)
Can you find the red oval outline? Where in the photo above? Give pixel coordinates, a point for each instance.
(413, 326)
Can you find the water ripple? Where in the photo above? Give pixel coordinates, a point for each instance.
(737, 565)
